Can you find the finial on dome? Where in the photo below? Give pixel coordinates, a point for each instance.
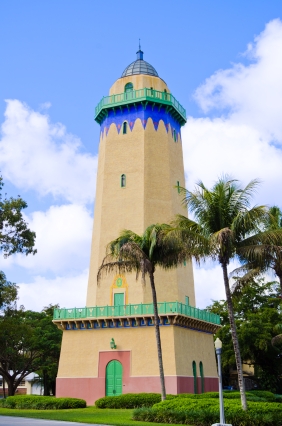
(139, 53)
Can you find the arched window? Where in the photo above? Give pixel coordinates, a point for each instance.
(194, 367)
(174, 135)
(124, 127)
(123, 181)
(202, 377)
(152, 91)
(128, 87)
(165, 94)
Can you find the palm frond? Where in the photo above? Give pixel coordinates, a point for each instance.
(249, 221)
(269, 237)
(243, 276)
(240, 198)
(109, 265)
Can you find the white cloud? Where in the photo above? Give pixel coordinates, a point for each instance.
(38, 155)
(252, 93)
(63, 238)
(208, 285)
(67, 291)
(245, 140)
(215, 146)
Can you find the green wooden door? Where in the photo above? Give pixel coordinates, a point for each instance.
(114, 378)
(118, 299)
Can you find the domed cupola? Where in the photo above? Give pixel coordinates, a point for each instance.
(139, 67)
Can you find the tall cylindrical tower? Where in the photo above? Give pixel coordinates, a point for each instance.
(140, 167)
(109, 346)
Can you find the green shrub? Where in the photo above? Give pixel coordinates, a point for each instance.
(129, 400)
(206, 412)
(37, 402)
(269, 396)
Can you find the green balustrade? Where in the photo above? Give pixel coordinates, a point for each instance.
(135, 310)
(140, 95)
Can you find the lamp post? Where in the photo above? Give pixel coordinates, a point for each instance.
(218, 349)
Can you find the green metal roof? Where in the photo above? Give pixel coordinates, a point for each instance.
(143, 96)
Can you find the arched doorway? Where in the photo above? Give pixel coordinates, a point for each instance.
(114, 378)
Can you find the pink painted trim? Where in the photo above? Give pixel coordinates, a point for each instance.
(92, 389)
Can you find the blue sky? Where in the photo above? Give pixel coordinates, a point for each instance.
(222, 60)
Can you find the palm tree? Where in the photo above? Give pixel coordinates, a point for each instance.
(142, 254)
(270, 256)
(225, 227)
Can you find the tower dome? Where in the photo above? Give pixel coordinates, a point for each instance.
(139, 67)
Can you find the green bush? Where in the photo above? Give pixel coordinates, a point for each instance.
(42, 402)
(205, 416)
(129, 400)
(205, 411)
(138, 400)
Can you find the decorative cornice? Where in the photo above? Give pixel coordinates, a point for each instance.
(144, 97)
(134, 112)
(133, 321)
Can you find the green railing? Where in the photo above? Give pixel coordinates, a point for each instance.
(135, 309)
(138, 96)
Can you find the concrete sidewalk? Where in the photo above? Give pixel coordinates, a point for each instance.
(25, 421)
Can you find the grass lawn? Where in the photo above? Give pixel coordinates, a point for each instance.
(83, 415)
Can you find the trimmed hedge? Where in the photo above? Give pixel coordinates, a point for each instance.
(41, 402)
(205, 411)
(129, 400)
(255, 396)
(139, 400)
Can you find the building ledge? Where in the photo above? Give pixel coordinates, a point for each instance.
(143, 96)
(136, 315)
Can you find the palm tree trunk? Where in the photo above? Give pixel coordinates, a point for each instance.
(158, 337)
(234, 338)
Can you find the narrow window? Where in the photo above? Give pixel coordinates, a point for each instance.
(186, 300)
(202, 377)
(124, 127)
(178, 186)
(184, 263)
(123, 181)
(128, 87)
(152, 91)
(194, 366)
(174, 136)
(165, 94)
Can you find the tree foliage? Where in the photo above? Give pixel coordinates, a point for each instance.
(29, 342)
(268, 256)
(257, 312)
(8, 293)
(15, 237)
(226, 226)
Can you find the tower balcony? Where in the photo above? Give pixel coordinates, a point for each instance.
(143, 96)
(134, 315)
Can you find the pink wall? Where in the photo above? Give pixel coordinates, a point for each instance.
(91, 389)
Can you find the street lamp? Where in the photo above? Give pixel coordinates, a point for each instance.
(218, 349)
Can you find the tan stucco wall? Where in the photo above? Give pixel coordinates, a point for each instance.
(192, 345)
(139, 81)
(152, 163)
(180, 347)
